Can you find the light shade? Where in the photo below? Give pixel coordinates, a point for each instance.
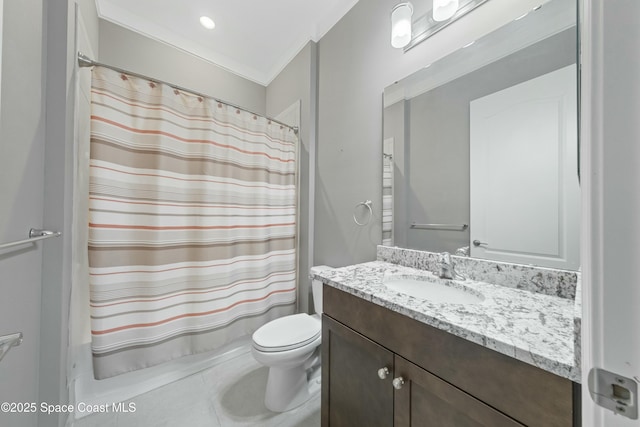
(401, 24)
(444, 9)
(207, 22)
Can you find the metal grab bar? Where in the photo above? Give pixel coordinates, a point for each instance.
(34, 235)
(9, 341)
(452, 227)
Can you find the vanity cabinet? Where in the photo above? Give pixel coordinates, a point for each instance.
(360, 392)
(432, 378)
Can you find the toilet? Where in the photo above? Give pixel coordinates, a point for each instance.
(290, 347)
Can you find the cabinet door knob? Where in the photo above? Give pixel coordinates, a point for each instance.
(383, 372)
(398, 383)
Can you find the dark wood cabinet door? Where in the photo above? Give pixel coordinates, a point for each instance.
(352, 393)
(427, 401)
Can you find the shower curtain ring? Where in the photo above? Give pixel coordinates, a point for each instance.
(366, 203)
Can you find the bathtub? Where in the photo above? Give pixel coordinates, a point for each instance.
(83, 387)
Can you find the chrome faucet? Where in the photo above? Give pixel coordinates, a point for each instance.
(445, 266)
(463, 251)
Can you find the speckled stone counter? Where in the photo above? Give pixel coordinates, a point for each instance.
(536, 328)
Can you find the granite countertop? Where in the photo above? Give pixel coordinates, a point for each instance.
(535, 328)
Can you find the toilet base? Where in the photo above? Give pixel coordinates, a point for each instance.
(288, 388)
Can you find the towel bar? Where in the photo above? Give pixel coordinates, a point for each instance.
(452, 227)
(34, 235)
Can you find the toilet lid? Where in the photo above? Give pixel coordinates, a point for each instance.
(287, 333)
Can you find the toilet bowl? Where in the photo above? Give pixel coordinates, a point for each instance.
(290, 347)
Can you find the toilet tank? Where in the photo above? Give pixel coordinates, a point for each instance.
(316, 288)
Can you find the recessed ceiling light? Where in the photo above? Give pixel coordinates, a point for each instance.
(207, 22)
(468, 44)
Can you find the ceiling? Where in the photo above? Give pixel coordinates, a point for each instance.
(255, 39)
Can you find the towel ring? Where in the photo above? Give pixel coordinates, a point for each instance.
(366, 203)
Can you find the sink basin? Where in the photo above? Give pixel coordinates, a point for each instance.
(432, 289)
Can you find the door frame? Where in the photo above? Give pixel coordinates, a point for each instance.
(609, 232)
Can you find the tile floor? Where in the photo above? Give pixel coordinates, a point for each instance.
(228, 395)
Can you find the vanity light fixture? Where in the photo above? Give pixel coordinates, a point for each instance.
(207, 22)
(443, 14)
(444, 9)
(401, 24)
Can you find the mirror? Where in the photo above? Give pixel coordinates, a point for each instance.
(481, 146)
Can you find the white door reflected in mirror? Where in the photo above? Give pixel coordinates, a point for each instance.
(523, 145)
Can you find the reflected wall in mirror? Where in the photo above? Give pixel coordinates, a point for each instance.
(1, 20)
(487, 137)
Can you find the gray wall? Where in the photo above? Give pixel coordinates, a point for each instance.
(22, 142)
(356, 62)
(35, 161)
(58, 210)
(436, 185)
(57, 262)
(298, 82)
(159, 60)
(87, 9)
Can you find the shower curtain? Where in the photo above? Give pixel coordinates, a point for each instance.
(192, 222)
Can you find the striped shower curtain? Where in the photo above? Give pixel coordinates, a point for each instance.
(192, 229)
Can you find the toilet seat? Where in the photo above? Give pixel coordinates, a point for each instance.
(287, 333)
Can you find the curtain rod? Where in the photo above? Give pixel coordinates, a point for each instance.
(84, 62)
